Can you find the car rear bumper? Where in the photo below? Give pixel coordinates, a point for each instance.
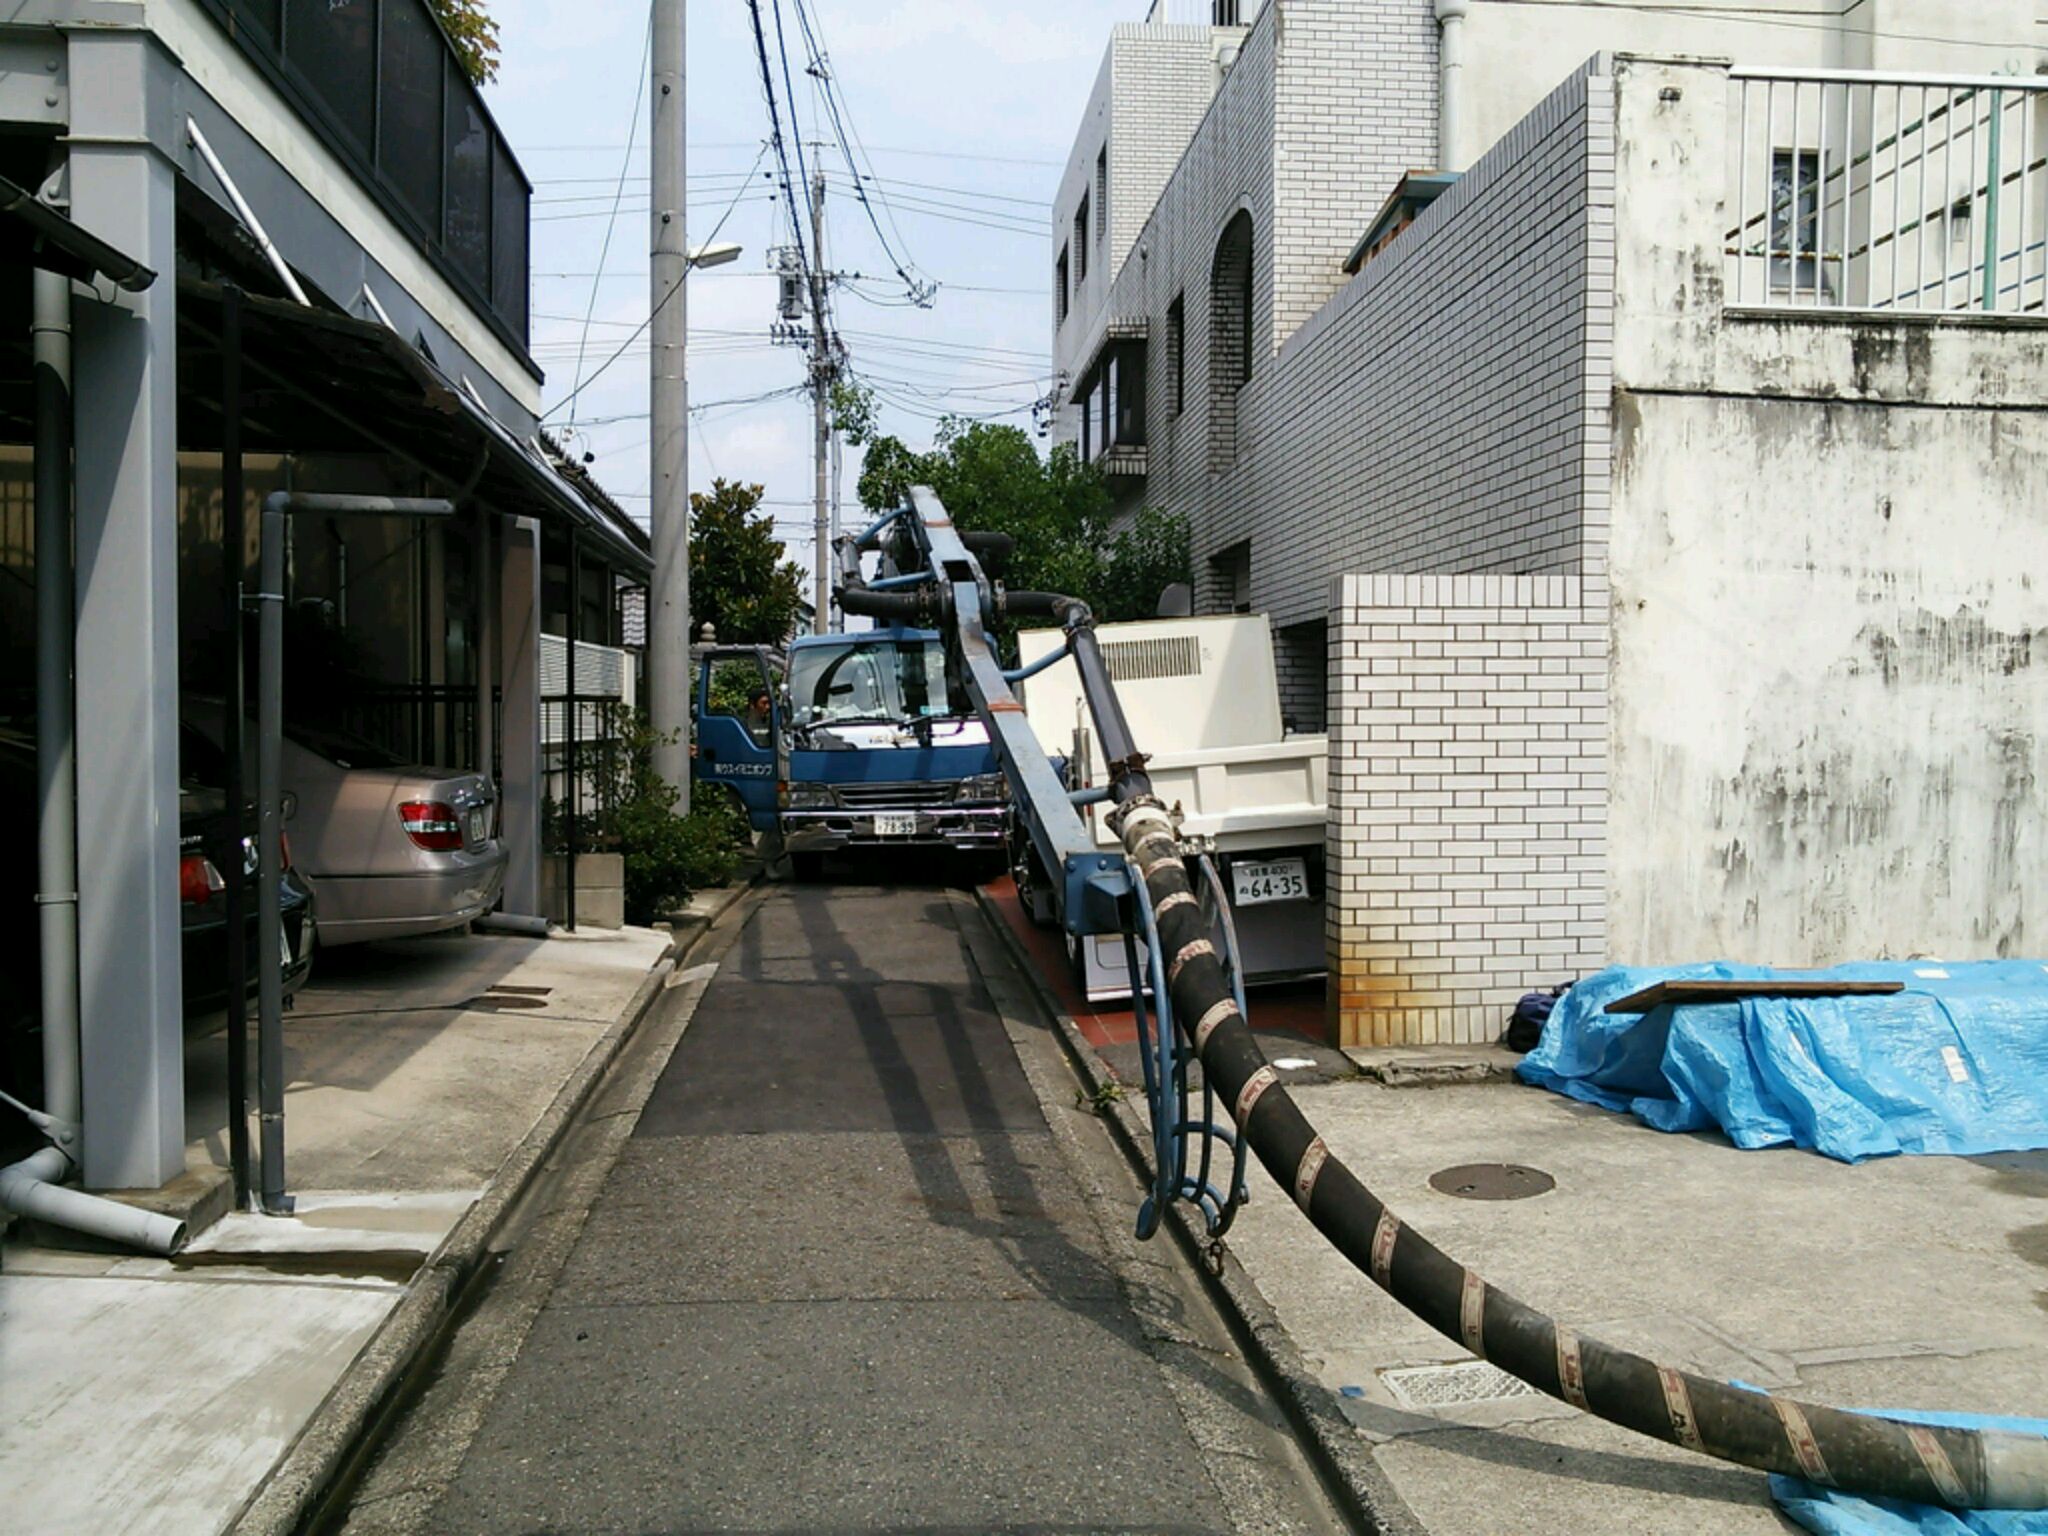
(969, 828)
(355, 909)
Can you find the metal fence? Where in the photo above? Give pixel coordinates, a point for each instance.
(1864, 191)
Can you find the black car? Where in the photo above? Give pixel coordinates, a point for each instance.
(203, 841)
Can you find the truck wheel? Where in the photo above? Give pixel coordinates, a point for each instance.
(806, 868)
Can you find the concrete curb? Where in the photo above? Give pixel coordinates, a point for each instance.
(1341, 1458)
(370, 1389)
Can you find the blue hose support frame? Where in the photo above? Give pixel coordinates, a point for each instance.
(1166, 1054)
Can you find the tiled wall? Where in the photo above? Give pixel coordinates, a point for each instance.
(1468, 799)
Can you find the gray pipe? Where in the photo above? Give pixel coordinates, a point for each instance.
(56, 773)
(269, 870)
(30, 1188)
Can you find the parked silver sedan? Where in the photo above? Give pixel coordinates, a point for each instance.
(392, 849)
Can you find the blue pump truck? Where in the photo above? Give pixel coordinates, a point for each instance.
(851, 742)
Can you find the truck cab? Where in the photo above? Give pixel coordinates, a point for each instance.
(866, 744)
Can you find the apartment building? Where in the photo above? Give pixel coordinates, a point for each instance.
(1628, 419)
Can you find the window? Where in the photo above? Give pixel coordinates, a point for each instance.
(1102, 193)
(1126, 414)
(508, 234)
(1090, 436)
(1176, 353)
(1230, 337)
(1059, 286)
(409, 109)
(872, 682)
(333, 46)
(466, 228)
(1081, 242)
(1225, 13)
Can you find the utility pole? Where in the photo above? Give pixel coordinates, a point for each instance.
(668, 603)
(824, 369)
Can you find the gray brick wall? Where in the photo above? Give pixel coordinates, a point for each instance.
(1446, 409)
(1466, 851)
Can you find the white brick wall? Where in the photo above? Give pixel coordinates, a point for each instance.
(1468, 799)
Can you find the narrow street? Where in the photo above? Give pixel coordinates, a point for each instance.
(860, 1265)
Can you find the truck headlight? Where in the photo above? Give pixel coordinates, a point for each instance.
(983, 786)
(811, 797)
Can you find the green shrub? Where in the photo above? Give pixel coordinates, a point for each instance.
(667, 857)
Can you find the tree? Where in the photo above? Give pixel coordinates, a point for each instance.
(739, 580)
(475, 35)
(993, 480)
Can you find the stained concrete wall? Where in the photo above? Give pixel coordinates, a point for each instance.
(1830, 635)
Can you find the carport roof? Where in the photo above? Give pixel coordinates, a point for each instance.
(317, 381)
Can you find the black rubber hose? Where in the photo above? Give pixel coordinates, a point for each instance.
(1046, 605)
(911, 607)
(1858, 1453)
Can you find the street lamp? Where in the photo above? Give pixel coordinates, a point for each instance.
(723, 254)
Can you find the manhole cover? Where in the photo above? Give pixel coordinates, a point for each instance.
(1447, 1386)
(1492, 1181)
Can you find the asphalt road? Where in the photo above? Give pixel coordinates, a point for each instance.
(859, 1266)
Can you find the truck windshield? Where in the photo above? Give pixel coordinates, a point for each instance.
(879, 681)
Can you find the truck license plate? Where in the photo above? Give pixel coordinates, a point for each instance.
(895, 826)
(1273, 880)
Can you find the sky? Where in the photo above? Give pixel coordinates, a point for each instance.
(967, 110)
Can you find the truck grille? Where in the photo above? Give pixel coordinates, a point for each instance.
(864, 797)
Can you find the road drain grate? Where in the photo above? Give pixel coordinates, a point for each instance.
(1449, 1386)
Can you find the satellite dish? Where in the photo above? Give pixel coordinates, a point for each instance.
(1177, 601)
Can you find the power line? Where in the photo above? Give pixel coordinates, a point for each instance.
(674, 288)
(618, 195)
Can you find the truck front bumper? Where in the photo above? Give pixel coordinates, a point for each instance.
(968, 828)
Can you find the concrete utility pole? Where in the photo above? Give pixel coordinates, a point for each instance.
(668, 604)
(823, 370)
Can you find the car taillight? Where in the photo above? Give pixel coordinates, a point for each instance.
(431, 825)
(198, 880)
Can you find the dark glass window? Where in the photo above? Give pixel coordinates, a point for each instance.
(1059, 285)
(1176, 354)
(409, 116)
(332, 44)
(1081, 241)
(256, 16)
(508, 241)
(466, 229)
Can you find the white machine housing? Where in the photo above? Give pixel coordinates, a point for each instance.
(1203, 701)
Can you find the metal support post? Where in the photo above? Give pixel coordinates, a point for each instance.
(233, 712)
(569, 728)
(277, 508)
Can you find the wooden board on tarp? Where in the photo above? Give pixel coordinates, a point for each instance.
(1677, 992)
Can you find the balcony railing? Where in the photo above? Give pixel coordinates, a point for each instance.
(381, 83)
(1859, 191)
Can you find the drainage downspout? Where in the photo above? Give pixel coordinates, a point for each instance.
(34, 1186)
(1450, 125)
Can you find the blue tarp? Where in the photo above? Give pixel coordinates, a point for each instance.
(1957, 1063)
(1827, 1513)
